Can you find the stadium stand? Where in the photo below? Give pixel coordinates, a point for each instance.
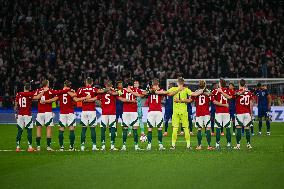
(108, 39)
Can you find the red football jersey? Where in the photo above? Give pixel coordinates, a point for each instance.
(220, 98)
(108, 103)
(66, 103)
(243, 102)
(155, 102)
(202, 103)
(42, 108)
(130, 106)
(24, 100)
(85, 91)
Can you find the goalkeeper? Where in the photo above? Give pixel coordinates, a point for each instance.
(180, 114)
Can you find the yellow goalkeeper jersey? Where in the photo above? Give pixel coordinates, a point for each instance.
(180, 108)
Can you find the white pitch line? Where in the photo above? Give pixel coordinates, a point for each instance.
(6, 150)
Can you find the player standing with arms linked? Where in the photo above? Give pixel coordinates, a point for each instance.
(180, 114)
(130, 115)
(264, 107)
(155, 115)
(23, 114)
(88, 97)
(108, 102)
(244, 106)
(45, 115)
(67, 117)
(232, 107)
(222, 116)
(202, 103)
(168, 110)
(118, 105)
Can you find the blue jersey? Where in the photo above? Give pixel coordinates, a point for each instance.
(262, 98)
(189, 108)
(212, 109)
(169, 104)
(119, 106)
(232, 106)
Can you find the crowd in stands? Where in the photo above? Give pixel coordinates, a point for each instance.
(141, 39)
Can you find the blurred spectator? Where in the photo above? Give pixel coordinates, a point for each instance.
(72, 39)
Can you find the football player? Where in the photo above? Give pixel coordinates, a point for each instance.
(130, 115)
(155, 115)
(45, 115)
(202, 103)
(220, 98)
(23, 107)
(244, 107)
(264, 107)
(108, 102)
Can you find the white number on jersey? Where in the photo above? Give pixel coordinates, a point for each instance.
(154, 97)
(223, 100)
(42, 98)
(64, 98)
(87, 93)
(129, 96)
(107, 98)
(23, 102)
(245, 100)
(201, 100)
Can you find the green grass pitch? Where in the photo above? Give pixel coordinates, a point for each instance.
(260, 167)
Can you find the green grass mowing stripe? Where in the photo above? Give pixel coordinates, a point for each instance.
(261, 167)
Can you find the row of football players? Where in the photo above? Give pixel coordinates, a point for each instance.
(261, 96)
(88, 95)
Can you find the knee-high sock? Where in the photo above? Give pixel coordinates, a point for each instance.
(83, 135)
(124, 135)
(248, 136)
(174, 136)
(234, 125)
(93, 135)
(187, 136)
(267, 125)
(239, 135)
(190, 124)
(19, 136)
(160, 136)
(72, 138)
(208, 137)
(112, 135)
(38, 141)
(222, 129)
(199, 137)
(48, 141)
(212, 125)
(60, 138)
(259, 124)
(166, 125)
(103, 135)
(228, 135)
(149, 137)
(129, 129)
(29, 136)
(135, 136)
(218, 135)
(251, 129)
(141, 124)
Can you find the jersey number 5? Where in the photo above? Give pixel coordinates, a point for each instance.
(107, 98)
